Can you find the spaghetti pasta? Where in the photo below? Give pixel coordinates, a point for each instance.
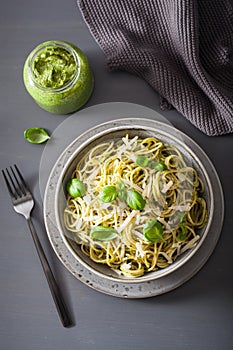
(146, 237)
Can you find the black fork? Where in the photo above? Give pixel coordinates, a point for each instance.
(23, 203)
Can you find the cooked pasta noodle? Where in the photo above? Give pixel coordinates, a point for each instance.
(173, 197)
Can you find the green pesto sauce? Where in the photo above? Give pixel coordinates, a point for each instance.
(60, 80)
(54, 67)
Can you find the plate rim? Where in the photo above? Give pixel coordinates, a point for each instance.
(135, 290)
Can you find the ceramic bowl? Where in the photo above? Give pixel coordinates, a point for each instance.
(66, 248)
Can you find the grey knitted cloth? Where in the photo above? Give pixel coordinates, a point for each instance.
(182, 48)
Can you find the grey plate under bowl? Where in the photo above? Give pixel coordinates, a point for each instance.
(113, 285)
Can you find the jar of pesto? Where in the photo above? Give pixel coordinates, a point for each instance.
(58, 76)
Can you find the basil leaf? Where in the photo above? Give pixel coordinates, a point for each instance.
(121, 191)
(142, 161)
(160, 166)
(181, 216)
(121, 185)
(103, 233)
(75, 188)
(183, 233)
(108, 194)
(135, 200)
(36, 135)
(153, 231)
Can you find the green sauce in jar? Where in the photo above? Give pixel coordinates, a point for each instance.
(58, 76)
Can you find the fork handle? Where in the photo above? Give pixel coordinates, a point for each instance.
(54, 288)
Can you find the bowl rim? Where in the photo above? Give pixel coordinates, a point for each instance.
(147, 125)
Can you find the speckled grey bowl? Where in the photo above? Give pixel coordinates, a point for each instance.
(96, 275)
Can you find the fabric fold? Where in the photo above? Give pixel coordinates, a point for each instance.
(182, 48)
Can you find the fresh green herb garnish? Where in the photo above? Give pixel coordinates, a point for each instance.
(121, 191)
(160, 166)
(103, 233)
(182, 221)
(108, 194)
(75, 188)
(142, 161)
(135, 200)
(36, 135)
(182, 235)
(181, 215)
(153, 231)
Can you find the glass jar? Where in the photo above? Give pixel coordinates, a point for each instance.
(58, 76)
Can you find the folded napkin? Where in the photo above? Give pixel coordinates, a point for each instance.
(182, 48)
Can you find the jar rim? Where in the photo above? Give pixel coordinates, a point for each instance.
(60, 44)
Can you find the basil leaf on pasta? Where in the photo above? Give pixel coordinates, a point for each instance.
(135, 200)
(121, 191)
(159, 166)
(75, 188)
(142, 161)
(103, 233)
(108, 194)
(153, 231)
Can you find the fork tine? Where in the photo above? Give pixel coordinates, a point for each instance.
(21, 184)
(15, 182)
(12, 194)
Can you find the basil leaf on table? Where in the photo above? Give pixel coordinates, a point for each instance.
(36, 135)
